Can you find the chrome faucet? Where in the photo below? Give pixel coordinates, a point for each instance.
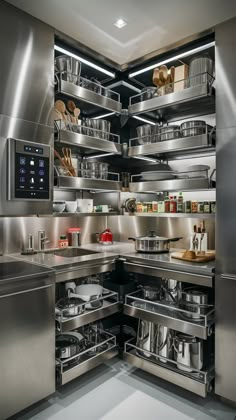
(42, 239)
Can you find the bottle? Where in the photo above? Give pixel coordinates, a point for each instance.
(173, 204)
(180, 203)
(167, 204)
(63, 241)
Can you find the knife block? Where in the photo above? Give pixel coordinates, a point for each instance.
(203, 244)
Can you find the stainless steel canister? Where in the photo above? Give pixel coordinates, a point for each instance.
(146, 337)
(164, 343)
(201, 70)
(69, 68)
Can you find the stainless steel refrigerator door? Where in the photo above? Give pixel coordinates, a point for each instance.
(225, 342)
(27, 350)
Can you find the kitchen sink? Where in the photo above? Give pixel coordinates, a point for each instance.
(71, 252)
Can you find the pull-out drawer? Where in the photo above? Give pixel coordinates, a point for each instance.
(169, 315)
(190, 276)
(73, 367)
(198, 382)
(110, 305)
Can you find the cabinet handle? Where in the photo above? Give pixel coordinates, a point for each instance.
(26, 291)
(165, 269)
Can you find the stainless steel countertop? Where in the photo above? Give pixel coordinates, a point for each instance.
(126, 250)
(12, 269)
(119, 249)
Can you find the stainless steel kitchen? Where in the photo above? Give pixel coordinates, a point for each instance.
(117, 222)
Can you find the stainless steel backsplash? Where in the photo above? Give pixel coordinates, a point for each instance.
(14, 231)
(124, 227)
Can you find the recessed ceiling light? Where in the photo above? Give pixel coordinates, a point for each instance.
(120, 23)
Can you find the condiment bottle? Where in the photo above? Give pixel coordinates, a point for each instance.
(63, 241)
(173, 204)
(180, 203)
(167, 204)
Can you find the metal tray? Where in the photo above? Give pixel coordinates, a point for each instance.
(198, 382)
(110, 102)
(110, 306)
(106, 349)
(168, 315)
(87, 145)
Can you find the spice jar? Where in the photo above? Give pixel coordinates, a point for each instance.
(149, 207)
(161, 206)
(213, 207)
(200, 207)
(188, 206)
(207, 207)
(139, 207)
(194, 206)
(155, 206)
(167, 204)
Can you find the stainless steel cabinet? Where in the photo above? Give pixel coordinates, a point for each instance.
(27, 350)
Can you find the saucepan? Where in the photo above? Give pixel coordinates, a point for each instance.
(153, 243)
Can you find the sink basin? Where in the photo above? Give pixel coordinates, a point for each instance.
(71, 252)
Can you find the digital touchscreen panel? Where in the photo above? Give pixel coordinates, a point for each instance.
(32, 175)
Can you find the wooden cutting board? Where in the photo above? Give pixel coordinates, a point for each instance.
(209, 256)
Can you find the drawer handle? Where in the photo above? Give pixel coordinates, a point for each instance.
(26, 291)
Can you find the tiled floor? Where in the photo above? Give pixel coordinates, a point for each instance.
(117, 391)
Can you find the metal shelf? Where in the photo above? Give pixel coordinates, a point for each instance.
(85, 144)
(89, 96)
(178, 215)
(192, 101)
(185, 145)
(169, 315)
(187, 184)
(198, 382)
(110, 306)
(77, 214)
(77, 183)
(106, 350)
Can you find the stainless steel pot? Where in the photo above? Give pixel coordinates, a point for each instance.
(169, 133)
(148, 93)
(172, 290)
(153, 243)
(188, 352)
(144, 133)
(69, 344)
(71, 306)
(151, 293)
(69, 67)
(194, 301)
(193, 128)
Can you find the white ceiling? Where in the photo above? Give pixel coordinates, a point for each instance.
(152, 24)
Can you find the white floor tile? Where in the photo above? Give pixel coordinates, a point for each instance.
(117, 391)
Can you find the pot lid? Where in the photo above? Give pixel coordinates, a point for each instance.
(152, 236)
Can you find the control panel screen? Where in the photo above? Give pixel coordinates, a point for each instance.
(31, 174)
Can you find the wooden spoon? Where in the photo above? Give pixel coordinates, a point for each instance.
(62, 162)
(155, 77)
(77, 114)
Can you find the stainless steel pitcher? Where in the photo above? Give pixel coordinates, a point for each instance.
(146, 337)
(164, 343)
(188, 352)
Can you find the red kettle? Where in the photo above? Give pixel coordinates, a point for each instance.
(106, 237)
